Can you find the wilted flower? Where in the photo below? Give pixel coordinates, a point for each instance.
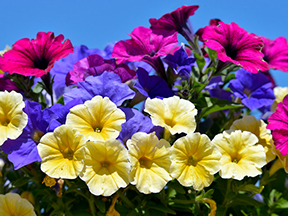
(62, 152)
(240, 155)
(194, 161)
(150, 162)
(106, 167)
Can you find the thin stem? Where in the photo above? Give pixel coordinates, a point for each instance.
(91, 205)
(126, 200)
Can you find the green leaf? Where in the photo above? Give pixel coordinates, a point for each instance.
(281, 204)
(229, 77)
(211, 53)
(251, 188)
(38, 88)
(200, 61)
(100, 204)
(160, 207)
(242, 199)
(20, 182)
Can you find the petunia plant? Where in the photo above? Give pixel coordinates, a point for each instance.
(147, 126)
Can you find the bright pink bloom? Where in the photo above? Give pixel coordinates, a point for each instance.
(96, 65)
(278, 123)
(35, 57)
(173, 22)
(143, 45)
(236, 45)
(276, 53)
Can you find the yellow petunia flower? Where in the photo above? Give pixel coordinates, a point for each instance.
(240, 155)
(280, 93)
(150, 162)
(12, 118)
(62, 152)
(174, 114)
(12, 204)
(194, 161)
(97, 119)
(106, 167)
(258, 128)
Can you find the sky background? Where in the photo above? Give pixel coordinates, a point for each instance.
(96, 23)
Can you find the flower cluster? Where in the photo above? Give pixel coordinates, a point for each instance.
(196, 126)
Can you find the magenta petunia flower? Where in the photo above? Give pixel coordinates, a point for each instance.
(236, 45)
(276, 53)
(35, 57)
(173, 22)
(278, 123)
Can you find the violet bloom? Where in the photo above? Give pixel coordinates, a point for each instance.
(276, 53)
(106, 84)
(234, 44)
(23, 150)
(174, 22)
(136, 122)
(145, 45)
(94, 65)
(180, 62)
(253, 89)
(152, 86)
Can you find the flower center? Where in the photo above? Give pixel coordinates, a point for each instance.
(41, 63)
(235, 158)
(170, 122)
(231, 51)
(247, 92)
(98, 130)
(36, 136)
(68, 153)
(105, 163)
(192, 161)
(145, 162)
(4, 121)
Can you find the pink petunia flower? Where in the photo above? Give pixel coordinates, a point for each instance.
(173, 22)
(234, 44)
(278, 123)
(276, 53)
(35, 57)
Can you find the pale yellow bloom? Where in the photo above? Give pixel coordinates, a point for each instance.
(280, 93)
(29, 196)
(12, 204)
(97, 119)
(174, 114)
(106, 167)
(240, 155)
(281, 162)
(62, 152)
(12, 118)
(5, 50)
(150, 162)
(258, 128)
(194, 161)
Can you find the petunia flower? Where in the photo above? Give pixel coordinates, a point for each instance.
(240, 155)
(94, 65)
(62, 152)
(276, 53)
(8, 84)
(194, 161)
(174, 114)
(23, 150)
(97, 119)
(253, 89)
(234, 44)
(150, 162)
(106, 84)
(106, 167)
(35, 57)
(258, 128)
(280, 93)
(278, 123)
(12, 204)
(12, 118)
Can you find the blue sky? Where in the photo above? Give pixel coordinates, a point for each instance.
(97, 23)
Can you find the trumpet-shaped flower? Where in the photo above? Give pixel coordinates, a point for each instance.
(194, 161)
(236, 45)
(280, 93)
(258, 128)
(106, 167)
(174, 114)
(12, 204)
(97, 119)
(12, 118)
(240, 155)
(62, 152)
(150, 162)
(35, 57)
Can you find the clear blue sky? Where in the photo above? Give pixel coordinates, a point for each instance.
(96, 23)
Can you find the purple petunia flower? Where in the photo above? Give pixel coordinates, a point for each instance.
(253, 89)
(95, 65)
(23, 150)
(234, 44)
(106, 84)
(136, 122)
(152, 86)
